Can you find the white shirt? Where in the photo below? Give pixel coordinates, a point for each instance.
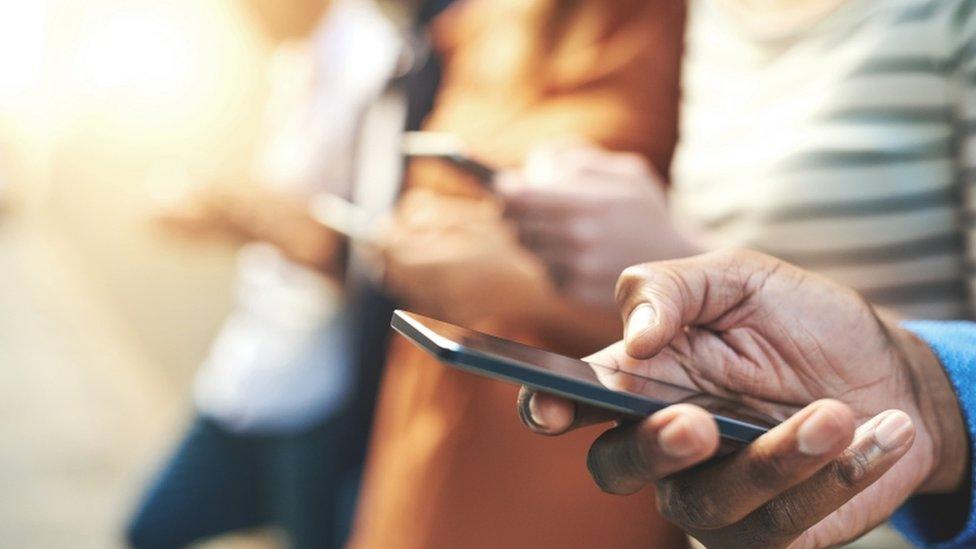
(281, 360)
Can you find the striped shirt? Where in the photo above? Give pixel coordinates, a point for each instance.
(847, 146)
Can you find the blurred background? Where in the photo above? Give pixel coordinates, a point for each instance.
(105, 318)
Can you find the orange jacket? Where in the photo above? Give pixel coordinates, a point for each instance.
(450, 464)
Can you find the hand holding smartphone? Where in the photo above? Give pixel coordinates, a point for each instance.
(345, 218)
(609, 388)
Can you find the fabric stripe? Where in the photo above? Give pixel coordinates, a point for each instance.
(936, 198)
(832, 158)
(943, 290)
(858, 165)
(945, 266)
(892, 115)
(963, 54)
(952, 309)
(962, 14)
(896, 251)
(916, 13)
(900, 65)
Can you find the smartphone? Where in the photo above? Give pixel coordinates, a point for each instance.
(344, 217)
(631, 395)
(449, 148)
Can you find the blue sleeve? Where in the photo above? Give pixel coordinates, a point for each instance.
(934, 521)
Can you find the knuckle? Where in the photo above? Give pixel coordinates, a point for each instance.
(629, 282)
(659, 284)
(743, 262)
(598, 463)
(667, 289)
(781, 516)
(617, 462)
(738, 253)
(634, 274)
(769, 469)
(850, 469)
(690, 509)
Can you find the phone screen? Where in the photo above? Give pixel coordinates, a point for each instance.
(504, 358)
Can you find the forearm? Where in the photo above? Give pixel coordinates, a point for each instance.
(261, 215)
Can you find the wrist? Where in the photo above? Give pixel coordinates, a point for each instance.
(939, 409)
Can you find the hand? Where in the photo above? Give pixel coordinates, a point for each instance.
(454, 259)
(191, 211)
(588, 214)
(248, 212)
(750, 328)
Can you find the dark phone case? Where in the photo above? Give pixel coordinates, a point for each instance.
(420, 330)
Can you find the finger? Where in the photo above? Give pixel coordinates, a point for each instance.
(877, 447)
(624, 459)
(657, 300)
(552, 415)
(725, 492)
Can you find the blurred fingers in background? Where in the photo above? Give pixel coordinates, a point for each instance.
(587, 214)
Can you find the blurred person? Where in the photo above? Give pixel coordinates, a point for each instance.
(837, 135)
(449, 465)
(277, 434)
(873, 412)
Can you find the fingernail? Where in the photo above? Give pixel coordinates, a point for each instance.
(535, 416)
(530, 414)
(640, 319)
(894, 431)
(678, 438)
(819, 433)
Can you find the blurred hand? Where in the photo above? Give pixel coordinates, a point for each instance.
(588, 214)
(750, 328)
(455, 259)
(248, 212)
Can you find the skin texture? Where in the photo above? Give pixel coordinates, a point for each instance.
(586, 213)
(868, 416)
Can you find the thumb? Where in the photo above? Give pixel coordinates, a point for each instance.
(658, 300)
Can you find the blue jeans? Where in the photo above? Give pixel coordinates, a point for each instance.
(219, 482)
